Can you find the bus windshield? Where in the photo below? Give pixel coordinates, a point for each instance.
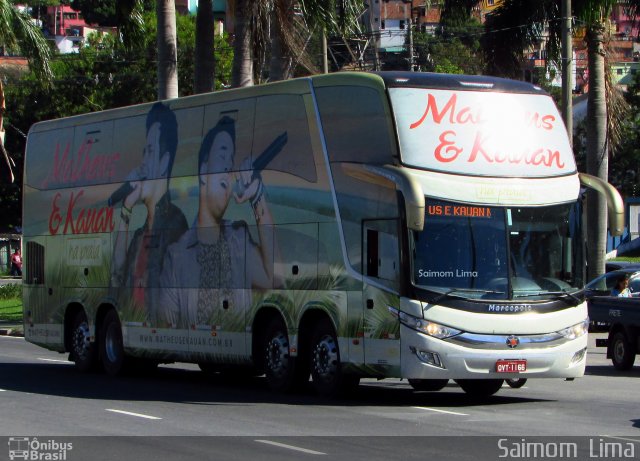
(488, 252)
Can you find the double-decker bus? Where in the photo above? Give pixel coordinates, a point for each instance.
(335, 227)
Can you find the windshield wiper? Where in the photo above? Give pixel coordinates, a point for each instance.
(452, 293)
(557, 294)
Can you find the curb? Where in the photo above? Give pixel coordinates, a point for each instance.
(11, 332)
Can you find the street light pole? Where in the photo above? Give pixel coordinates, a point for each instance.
(567, 61)
(411, 57)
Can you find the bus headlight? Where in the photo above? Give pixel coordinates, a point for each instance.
(428, 328)
(577, 330)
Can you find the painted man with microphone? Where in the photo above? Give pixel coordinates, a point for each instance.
(217, 257)
(139, 255)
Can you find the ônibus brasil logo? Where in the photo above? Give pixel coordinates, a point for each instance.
(33, 449)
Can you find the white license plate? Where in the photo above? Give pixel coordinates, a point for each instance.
(511, 366)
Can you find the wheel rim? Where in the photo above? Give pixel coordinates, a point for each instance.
(325, 358)
(277, 355)
(112, 344)
(82, 341)
(618, 351)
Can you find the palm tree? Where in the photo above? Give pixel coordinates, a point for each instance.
(167, 50)
(19, 33)
(275, 25)
(290, 32)
(514, 27)
(246, 15)
(131, 26)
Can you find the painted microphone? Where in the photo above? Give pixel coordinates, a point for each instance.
(261, 162)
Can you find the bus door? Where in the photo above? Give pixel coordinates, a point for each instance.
(381, 259)
(43, 312)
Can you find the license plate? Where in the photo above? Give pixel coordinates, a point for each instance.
(511, 366)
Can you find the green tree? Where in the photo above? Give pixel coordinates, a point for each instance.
(624, 173)
(274, 29)
(18, 34)
(452, 50)
(290, 32)
(107, 13)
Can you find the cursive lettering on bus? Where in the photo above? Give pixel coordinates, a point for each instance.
(464, 115)
(69, 169)
(451, 152)
(448, 151)
(79, 220)
(536, 157)
(535, 119)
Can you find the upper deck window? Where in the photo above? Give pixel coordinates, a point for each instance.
(481, 133)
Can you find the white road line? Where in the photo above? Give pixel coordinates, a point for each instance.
(291, 447)
(621, 438)
(139, 415)
(442, 411)
(55, 360)
(3, 390)
(12, 337)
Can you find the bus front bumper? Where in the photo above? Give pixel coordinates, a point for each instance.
(426, 357)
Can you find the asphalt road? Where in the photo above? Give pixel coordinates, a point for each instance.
(183, 414)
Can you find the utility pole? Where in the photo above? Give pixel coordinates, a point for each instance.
(411, 58)
(325, 58)
(567, 65)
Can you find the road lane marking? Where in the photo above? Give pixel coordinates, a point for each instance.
(139, 415)
(55, 360)
(442, 411)
(291, 447)
(3, 390)
(621, 438)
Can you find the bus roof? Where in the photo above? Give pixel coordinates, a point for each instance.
(456, 82)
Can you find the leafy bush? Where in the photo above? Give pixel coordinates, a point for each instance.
(11, 291)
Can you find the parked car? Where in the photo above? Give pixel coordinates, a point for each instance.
(603, 284)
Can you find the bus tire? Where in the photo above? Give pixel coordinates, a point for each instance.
(279, 365)
(326, 370)
(428, 384)
(622, 352)
(111, 347)
(83, 351)
(480, 387)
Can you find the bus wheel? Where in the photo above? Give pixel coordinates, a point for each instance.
(480, 387)
(278, 363)
(111, 348)
(622, 353)
(83, 351)
(326, 370)
(428, 384)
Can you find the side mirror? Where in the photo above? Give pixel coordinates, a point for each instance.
(615, 205)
